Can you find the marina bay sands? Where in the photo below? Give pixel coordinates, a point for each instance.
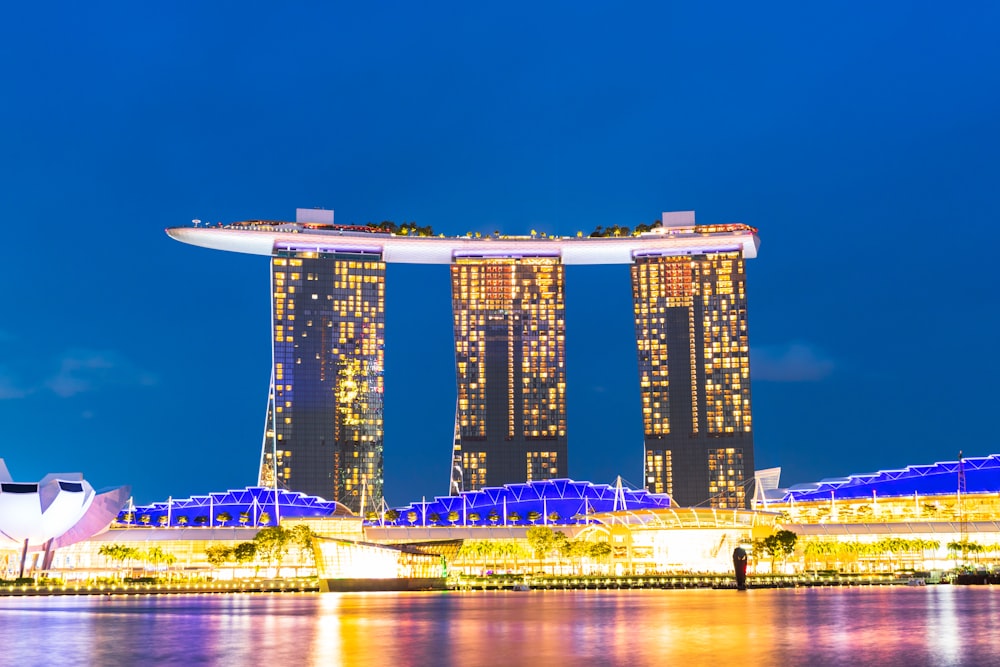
(324, 425)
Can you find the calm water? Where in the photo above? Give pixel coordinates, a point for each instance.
(936, 625)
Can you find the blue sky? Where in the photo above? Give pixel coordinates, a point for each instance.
(861, 141)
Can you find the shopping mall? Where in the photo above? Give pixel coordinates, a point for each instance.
(923, 517)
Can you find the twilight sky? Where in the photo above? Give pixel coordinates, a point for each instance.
(862, 141)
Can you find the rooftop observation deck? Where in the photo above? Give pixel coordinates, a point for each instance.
(264, 237)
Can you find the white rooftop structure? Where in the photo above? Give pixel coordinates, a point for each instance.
(314, 229)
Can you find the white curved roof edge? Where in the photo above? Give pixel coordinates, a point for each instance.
(436, 250)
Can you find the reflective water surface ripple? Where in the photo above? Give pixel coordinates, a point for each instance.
(936, 625)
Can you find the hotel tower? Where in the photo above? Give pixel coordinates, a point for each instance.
(323, 434)
(694, 372)
(510, 358)
(324, 429)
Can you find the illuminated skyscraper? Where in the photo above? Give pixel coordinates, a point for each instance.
(324, 427)
(510, 362)
(694, 372)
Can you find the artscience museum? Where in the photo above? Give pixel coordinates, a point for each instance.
(63, 508)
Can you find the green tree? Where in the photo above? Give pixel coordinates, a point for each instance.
(780, 544)
(541, 540)
(453, 517)
(302, 538)
(514, 516)
(476, 550)
(474, 517)
(553, 517)
(392, 516)
(599, 550)
(816, 552)
(534, 516)
(434, 518)
(561, 546)
(411, 516)
(245, 552)
(182, 520)
(119, 553)
(264, 519)
(272, 545)
(145, 519)
(218, 554)
(244, 518)
(493, 517)
(576, 551)
(223, 517)
(201, 520)
(156, 556)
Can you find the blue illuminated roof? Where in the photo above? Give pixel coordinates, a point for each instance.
(254, 501)
(569, 500)
(982, 475)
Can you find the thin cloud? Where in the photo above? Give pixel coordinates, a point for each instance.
(792, 362)
(11, 387)
(82, 371)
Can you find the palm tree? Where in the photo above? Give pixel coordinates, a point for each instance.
(156, 555)
(928, 545)
(113, 552)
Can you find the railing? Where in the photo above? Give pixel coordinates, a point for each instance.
(720, 581)
(241, 586)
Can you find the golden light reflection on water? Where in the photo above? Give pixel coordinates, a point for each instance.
(940, 625)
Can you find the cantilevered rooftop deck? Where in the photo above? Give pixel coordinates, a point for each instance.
(269, 237)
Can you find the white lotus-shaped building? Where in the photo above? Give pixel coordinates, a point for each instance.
(60, 510)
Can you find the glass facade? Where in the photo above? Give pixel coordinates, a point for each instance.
(510, 361)
(694, 376)
(323, 435)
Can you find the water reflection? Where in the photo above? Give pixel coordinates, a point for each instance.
(936, 625)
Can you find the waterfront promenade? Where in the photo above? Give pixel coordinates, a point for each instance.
(467, 584)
